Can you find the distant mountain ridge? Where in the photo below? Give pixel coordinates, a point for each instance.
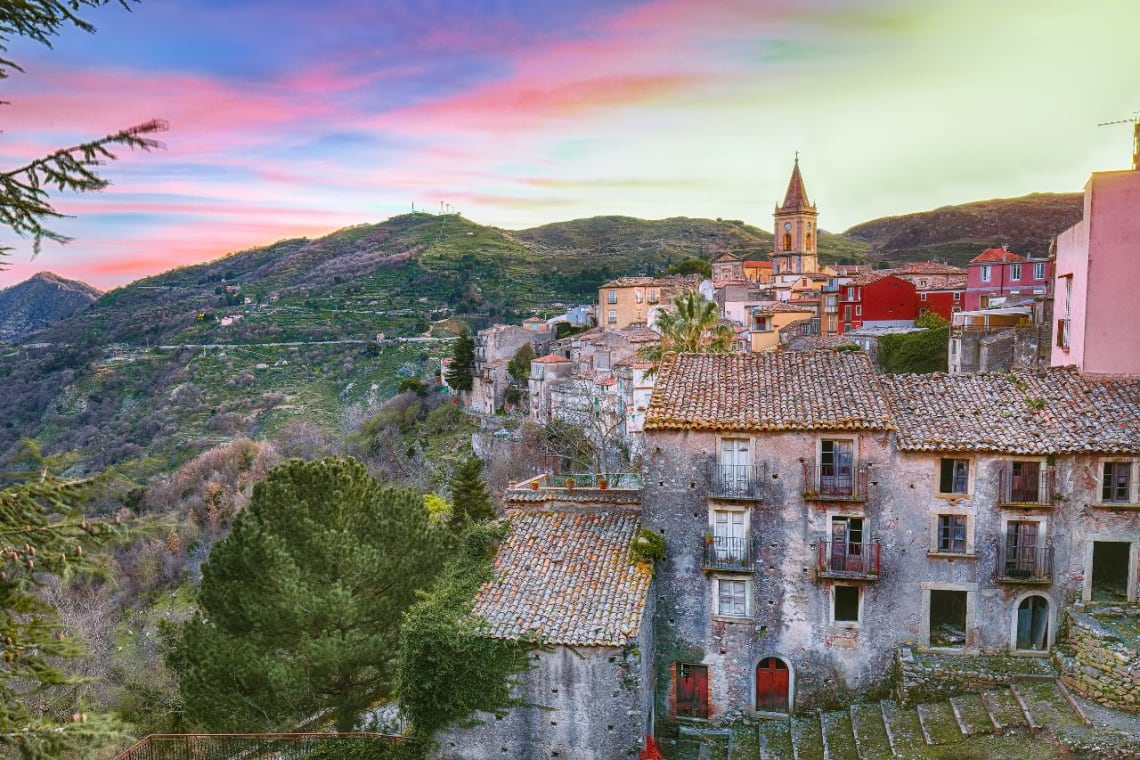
(956, 234)
(41, 301)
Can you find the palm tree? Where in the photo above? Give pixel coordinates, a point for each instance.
(693, 326)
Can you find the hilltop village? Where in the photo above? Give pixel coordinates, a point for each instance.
(778, 547)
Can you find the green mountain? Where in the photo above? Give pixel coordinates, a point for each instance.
(40, 301)
(956, 234)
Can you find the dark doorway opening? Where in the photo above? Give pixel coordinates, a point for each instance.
(1033, 624)
(947, 618)
(772, 685)
(1110, 571)
(692, 690)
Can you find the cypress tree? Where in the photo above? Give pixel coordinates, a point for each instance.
(470, 501)
(462, 362)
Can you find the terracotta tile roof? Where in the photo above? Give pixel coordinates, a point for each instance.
(678, 281)
(551, 359)
(567, 577)
(780, 308)
(995, 255)
(873, 276)
(930, 267)
(996, 412)
(790, 390)
(726, 257)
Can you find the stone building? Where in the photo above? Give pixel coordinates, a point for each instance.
(629, 301)
(565, 572)
(818, 517)
(494, 348)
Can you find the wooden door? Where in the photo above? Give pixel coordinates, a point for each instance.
(772, 681)
(692, 690)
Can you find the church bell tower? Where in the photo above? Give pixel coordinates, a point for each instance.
(793, 250)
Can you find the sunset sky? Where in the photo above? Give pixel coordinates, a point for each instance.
(297, 118)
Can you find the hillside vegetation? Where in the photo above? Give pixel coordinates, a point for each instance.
(956, 234)
(40, 301)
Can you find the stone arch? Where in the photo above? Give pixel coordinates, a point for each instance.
(1033, 623)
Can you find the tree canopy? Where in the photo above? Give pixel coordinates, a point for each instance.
(45, 533)
(692, 326)
(25, 207)
(470, 501)
(300, 606)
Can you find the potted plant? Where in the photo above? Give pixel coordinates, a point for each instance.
(534, 484)
(603, 482)
(569, 484)
(709, 538)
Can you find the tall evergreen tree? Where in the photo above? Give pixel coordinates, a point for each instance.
(470, 501)
(459, 374)
(300, 606)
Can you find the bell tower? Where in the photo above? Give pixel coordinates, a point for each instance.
(793, 247)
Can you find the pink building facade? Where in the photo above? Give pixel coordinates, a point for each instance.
(997, 273)
(1098, 266)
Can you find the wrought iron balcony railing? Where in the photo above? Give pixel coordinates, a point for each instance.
(843, 559)
(737, 481)
(1024, 564)
(728, 553)
(836, 482)
(1026, 484)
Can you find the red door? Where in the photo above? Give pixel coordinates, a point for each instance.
(692, 690)
(772, 685)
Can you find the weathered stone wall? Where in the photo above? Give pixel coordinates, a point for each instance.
(1101, 656)
(932, 677)
(596, 704)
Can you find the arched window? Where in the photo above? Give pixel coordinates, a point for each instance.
(807, 242)
(787, 241)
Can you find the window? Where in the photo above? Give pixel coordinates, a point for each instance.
(612, 297)
(730, 535)
(1116, 485)
(637, 296)
(845, 604)
(612, 316)
(847, 313)
(1039, 270)
(952, 534)
(731, 597)
(652, 295)
(986, 271)
(1014, 272)
(787, 241)
(922, 296)
(836, 468)
(954, 476)
(858, 309)
(958, 296)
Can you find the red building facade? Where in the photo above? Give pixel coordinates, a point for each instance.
(877, 298)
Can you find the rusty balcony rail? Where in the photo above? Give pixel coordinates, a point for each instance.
(262, 746)
(1026, 484)
(836, 482)
(1024, 564)
(843, 559)
(736, 481)
(728, 553)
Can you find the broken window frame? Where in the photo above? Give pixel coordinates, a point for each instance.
(1116, 482)
(952, 534)
(953, 476)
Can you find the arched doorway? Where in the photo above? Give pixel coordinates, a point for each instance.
(1031, 625)
(773, 685)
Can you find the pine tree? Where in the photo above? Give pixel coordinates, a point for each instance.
(470, 501)
(45, 533)
(300, 606)
(462, 362)
(24, 205)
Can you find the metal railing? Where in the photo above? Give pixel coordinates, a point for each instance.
(736, 481)
(836, 482)
(261, 746)
(843, 559)
(1024, 564)
(728, 553)
(1029, 485)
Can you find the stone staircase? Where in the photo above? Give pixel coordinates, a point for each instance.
(886, 730)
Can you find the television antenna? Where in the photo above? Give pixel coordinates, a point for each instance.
(1135, 122)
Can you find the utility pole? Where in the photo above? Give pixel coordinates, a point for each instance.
(1135, 122)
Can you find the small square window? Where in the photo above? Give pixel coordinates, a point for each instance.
(1116, 485)
(952, 534)
(846, 604)
(954, 476)
(958, 296)
(922, 296)
(732, 598)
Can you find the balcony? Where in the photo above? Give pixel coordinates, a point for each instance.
(836, 482)
(844, 560)
(728, 553)
(1024, 564)
(1026, 484)
(743, 482)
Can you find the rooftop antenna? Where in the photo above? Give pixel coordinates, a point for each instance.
(1135, 122)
